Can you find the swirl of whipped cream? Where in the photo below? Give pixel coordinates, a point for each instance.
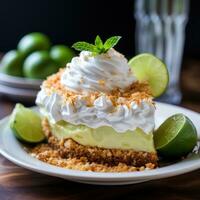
(102, 73)
(102, 113)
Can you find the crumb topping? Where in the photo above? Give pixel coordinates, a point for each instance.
(102, 82)
(137, 92)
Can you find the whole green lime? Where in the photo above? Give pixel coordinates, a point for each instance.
(39, 65)
(33, 42)
(61, 54)
(11, 63)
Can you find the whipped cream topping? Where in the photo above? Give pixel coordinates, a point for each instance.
(102, 113)
(100, 73)
(103, 73)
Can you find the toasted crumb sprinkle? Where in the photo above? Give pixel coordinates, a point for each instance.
(137, 92)
(102, 82)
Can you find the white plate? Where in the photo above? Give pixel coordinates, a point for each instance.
(13, 150)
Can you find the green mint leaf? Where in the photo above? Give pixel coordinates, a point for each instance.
(111, 42)
(98, 42)
(98, 47)
(84, 46)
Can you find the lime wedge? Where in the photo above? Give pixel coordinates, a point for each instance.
(26, 124)
(176, 137)
(147, 67)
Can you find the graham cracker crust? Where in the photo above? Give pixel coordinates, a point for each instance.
(69, 154)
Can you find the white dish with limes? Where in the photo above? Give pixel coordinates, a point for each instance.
(13, 150)
(23, 70)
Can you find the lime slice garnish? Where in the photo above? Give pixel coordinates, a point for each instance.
(26, 124)
(147, 67)
(176, 137)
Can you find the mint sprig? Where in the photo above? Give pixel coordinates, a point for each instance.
(111, 42)
(98, 47)
(98, 42)
(80, 46)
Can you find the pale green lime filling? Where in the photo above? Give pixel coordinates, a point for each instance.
(105, 137)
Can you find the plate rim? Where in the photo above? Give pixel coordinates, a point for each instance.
(20, 82)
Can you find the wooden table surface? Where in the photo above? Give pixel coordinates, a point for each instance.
(17, 183)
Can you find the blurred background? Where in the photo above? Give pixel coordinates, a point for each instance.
(73, 20)
(66, 22)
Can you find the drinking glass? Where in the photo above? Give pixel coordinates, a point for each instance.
(160, 30)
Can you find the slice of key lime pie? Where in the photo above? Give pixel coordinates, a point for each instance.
(96, 108)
